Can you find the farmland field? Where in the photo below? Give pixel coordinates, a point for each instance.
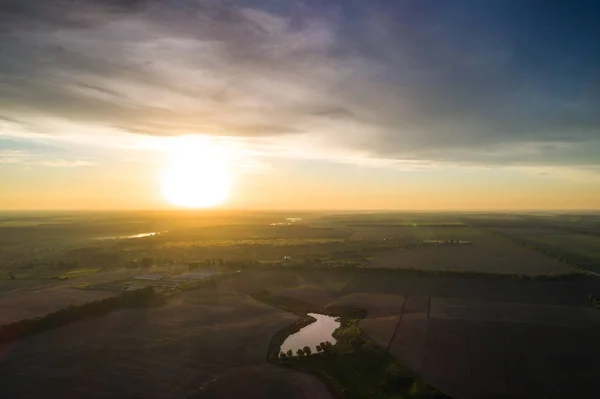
(313, 294)
(474, 359)
(562, 316)
(380, 329)
(424, 232)
(164, 352)
(210, 340)
(572, 293)
(7, 286)
(376, 305)
(483, 253)
(18, 304)
(206, 338)
(264, 381)
(583, 249)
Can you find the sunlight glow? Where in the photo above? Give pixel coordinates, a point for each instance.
(198, 174)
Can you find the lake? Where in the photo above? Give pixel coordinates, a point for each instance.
(312, 334)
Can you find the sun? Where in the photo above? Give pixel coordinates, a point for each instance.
(197, 175)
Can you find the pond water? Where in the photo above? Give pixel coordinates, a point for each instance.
(140, 235)
(288, 222)
(313, 334)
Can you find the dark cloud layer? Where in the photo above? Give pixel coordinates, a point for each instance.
(502, 83)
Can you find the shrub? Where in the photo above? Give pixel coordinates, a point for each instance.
(356, 343)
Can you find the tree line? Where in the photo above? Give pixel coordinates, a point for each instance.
(70, 314)
(322, 347)
(572, 259)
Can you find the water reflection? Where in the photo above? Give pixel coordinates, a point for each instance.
(313, 334)
(288, 222)
(140, 235)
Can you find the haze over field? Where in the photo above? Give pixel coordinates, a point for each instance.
(151, 104)
(224, 304)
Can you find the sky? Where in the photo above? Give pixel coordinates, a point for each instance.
(412, 105)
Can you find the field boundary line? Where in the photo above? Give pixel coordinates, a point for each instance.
(389, 346)
(428, 307)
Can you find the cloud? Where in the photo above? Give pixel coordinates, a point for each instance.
(13, 156)
(388, 86)
(587, 174)
(30, 159)
(63, 163)
(7, 119)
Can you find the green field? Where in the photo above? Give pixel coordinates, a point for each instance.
(579, 243)
(580, 249)
(418, 232)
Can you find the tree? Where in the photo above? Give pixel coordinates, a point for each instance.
(319, 349)
(147, 262)
(307, 350)
(300, 352)
(356, 343)
(290, 353)
(282, 355)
